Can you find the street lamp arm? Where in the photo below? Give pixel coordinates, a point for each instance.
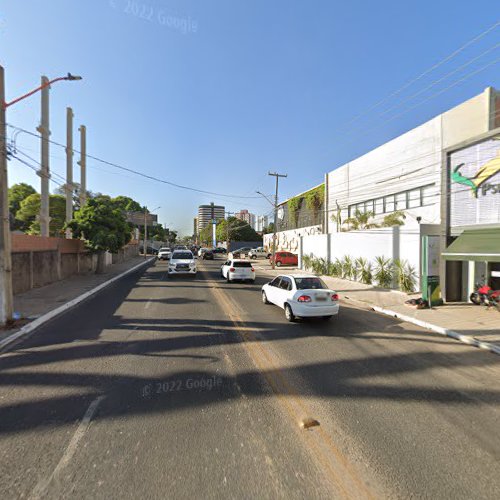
(69, 77)
(262, 194)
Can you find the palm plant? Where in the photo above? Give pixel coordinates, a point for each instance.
(383, 271)
(307, 261)
(364, 271)
(361, 220)
(406, 275)
(348, 269)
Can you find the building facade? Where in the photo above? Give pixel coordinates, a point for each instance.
(206, 213)
(246, 216)
(261, 222)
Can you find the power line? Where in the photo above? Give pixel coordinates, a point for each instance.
(426, 72)
(136, 172)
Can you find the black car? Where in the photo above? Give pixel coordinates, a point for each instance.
(219, 250)
(207, 255)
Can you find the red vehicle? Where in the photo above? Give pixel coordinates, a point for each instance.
(285, 259)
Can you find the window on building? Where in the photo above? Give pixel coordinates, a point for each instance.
(428, 195)
(401, 203)
(414, 198)
(389, 203)
(369, 206)
(379, 206)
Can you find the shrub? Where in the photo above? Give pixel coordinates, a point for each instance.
(383, 272)
(348, 268)
(407, 276)
(307, 261)
(364, 271)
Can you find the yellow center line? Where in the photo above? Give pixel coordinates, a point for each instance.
(295, 407)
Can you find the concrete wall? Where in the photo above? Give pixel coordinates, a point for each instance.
(393, 243)
(38, 261)
(290, 240)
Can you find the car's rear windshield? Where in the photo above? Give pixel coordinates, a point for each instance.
(165, 249)
(310, 284)
(182, 255)
(242, 264)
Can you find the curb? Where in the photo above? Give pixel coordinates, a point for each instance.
(31, 327)
(466, 339)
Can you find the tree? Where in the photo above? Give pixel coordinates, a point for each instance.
(18, 193)
(361, 220)
(269, 228)
(30, 209)
(126, 203)
(231, 228)
(102, 226)
(394, 219)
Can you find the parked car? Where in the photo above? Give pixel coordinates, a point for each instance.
(237, 269)
(285, 259)
(301, 296)
(259, 252)
(239, 253)
(164, 253)
(207, 254)
(219, 250)
(182, 262)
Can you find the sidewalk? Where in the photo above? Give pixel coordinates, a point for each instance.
(474, 325)
(40, 301)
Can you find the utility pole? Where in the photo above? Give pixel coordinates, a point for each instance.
(145, 232)
(69, 168)
(45, 168)
(227, 229)
(83, 165)
(275, 174)
(6, 302)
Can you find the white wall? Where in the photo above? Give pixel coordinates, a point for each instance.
(290, 240)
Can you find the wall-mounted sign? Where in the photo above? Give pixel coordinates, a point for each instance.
(475, 184)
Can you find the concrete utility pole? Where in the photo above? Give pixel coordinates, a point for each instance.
(69, 168)
(6, 302)
(275, 174)
(83, 165)
(145, 232)
(44, 172)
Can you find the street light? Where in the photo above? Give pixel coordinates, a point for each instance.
(6, 298)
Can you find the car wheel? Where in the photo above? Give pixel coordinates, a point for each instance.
(264, 298)
(289, 313)
(278, 264)
(254, 257)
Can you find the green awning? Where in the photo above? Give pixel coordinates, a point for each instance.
(475, 244)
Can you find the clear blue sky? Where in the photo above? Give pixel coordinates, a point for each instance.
(215, 93)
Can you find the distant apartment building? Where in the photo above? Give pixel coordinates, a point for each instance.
(247, 217)
(208, 212)
(261, 222)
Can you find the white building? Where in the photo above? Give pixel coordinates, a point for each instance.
(208, 212)
(261, 222)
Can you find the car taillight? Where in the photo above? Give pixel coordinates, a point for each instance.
(335, 297)
(232, 269)
(253, 270)
(304, 298)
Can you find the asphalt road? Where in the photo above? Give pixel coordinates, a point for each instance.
(192, 388)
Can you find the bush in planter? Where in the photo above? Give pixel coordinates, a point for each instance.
(407, 276)
(335, 268)
(383, 272)
(348, 268)
(364, 271)
(307, 261)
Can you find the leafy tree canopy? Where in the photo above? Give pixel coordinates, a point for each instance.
(101, 225)
(18, 193)
(127, 203)
(30, 209)
(239, 230)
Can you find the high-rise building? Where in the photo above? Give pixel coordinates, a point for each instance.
(208, 212)
(261, 222)
(247, 217)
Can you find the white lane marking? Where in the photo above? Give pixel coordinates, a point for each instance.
(148, 303)
(43, 484)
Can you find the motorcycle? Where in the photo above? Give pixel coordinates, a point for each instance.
(484, 295)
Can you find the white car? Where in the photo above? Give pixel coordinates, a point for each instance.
(182, 262)
(301, 295)
(259, 252)
(164, 253)
(237, 269)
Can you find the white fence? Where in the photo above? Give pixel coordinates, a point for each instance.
(393, 243)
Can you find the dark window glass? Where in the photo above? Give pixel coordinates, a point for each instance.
(276, 281)
(286, 284)
(310, 283)
(182, 255)
(242, 264)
